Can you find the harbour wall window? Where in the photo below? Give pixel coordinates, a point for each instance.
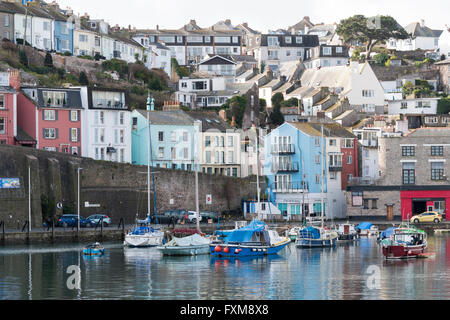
(437, 170)
(409, 173)
(437, 150)
(408, 151)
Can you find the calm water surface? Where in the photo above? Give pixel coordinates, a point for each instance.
(40, 272)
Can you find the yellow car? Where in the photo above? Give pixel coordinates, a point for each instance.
(428, 216)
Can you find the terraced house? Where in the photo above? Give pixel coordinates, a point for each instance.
(191, 43)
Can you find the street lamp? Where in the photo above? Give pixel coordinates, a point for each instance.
(78, 173)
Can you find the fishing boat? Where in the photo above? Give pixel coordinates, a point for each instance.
(94, 249)
(366, 229)
(144, 236)
(346, 233)
(255, 239)
(187, 246)
(315, 237)
(404, 243)
(293, 232)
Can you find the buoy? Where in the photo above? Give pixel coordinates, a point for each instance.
(217, 249)
(236, 251)
(226, 250)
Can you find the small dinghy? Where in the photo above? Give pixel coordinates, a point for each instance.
(94, 249)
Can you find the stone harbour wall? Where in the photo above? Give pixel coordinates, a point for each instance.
(119, 190)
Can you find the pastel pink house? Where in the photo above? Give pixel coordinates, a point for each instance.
(52, 116)
(10, 132)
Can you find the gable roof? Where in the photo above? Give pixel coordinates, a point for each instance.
(210, 121)
(417, 30)
(305, 22)
(217, 59)
(172, 117)
(329, 129)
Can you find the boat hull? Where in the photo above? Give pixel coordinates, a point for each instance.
(403, 252)
(93, 252)
(243, 250)
(184, 250)
(315, 243)
(132, 240)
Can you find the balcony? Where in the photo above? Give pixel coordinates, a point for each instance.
(290, 187)
(335, 167)
(284, 167)
(283, 149)
(108, 104)
(369, 143)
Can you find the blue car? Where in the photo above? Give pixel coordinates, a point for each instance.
(71, 220)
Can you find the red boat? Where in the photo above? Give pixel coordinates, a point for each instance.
(406, 242)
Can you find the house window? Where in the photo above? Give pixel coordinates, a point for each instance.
(50, 133)
(437, 150)
(338, 49)
(102, 153)
(179, 39)
(404, 105)
(2, 101)
(74, 115)
(54, 98)
(368, 93)
(46, 26)
(409, 173)
(160, 136)
(298, 40)
(437, 170)
(121, 136)
(349, 160)
(207, 141)
(208, 156)
(6, 20)
(272, 41)
(230, 141)
(122, 118)
(185, 153)
(207, 39)
(161, 152)
(332, 142)
(74, 134)
(173, 153)
(102, 117)
(49, 115)
(348, 143)
(349, 178)
(96, 154)
(332, 175)
(83, 38)
(408, 151)
(2, 125)
(230, 156)
(173, 136)
(288, 39)
(326, 51)
(102, 135)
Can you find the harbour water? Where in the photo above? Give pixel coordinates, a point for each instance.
(346, 272)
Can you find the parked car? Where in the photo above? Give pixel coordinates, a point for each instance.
(96, 218)
(177, 214)
(206, 215)
(192, 217)
(427, 216)
(71, 220)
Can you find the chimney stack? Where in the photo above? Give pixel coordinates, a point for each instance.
(14, 79)
(422, 23)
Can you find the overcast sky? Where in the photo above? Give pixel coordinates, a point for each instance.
(260, 14)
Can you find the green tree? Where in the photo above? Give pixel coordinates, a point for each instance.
(443, 106)
(277, 98)
(370, 31)
(276, 117)
(23, 58)
(262, 67)
(83, 79)
(381, 59)
(48, 61)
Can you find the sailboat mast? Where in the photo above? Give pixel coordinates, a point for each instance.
(322, 170)
(196, 164)
(148, 155)
(257, 171)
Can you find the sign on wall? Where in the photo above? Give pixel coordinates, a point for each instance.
(208, 199)
(9, 183)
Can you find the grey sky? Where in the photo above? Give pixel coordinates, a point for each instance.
(260, 14)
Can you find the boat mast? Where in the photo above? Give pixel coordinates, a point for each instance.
(149, 103)
(322, 169)
(196, 164)
(257, 171)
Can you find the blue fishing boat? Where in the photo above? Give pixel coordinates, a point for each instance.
(316, 237)
(94, 249)
(252, 240)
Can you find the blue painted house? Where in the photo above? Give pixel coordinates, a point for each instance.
(172, 139)
(63, 31)
(293, 168)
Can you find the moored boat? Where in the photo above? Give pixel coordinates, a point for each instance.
(186, 246)
(143, 236)
(404, 243)
(367, 229)
(94, 249)
(346, 233)
(255, 239)
(316, 237)
(293, 233)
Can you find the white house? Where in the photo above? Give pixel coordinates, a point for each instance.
(326, 56)
(422, 37)
(203, 92)
(413, 106)
(368, 138)
(106, 125)
(218, 65)
(356, 81)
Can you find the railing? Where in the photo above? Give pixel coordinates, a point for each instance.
(290, 187)
(283, 148)
(335, 167)
(110, 104)
(285, 167)
(369, 143)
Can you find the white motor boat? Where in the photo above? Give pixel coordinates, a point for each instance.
(144, 237)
